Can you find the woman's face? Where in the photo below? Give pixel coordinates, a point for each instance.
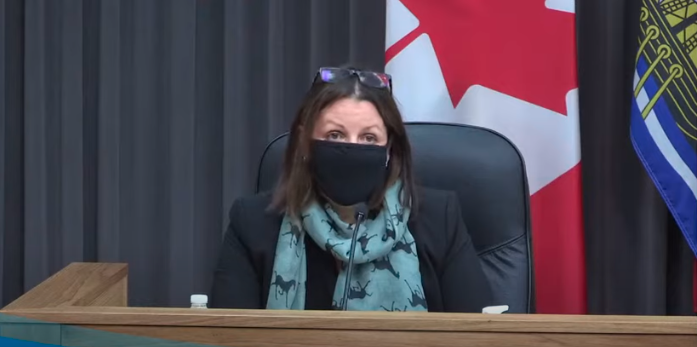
(353, 121)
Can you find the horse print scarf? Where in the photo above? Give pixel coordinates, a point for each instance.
(386, 267)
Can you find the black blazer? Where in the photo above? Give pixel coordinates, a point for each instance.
(453, 280)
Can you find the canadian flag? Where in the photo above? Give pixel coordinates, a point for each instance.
(507, 65)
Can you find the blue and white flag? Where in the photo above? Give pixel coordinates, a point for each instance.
(664, 109)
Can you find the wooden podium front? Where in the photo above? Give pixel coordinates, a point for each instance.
(85, 304)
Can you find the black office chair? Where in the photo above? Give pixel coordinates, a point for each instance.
(488, 174)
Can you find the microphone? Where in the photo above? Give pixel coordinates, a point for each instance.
(360, 211)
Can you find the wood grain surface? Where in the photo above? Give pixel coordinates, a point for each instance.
(79, 284)
(318, 320)
(85, 305)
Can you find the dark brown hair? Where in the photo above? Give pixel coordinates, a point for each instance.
(296, 188)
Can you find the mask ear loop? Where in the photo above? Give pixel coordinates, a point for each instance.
(389, 150)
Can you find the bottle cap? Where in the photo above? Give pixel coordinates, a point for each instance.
(495, 309)
(199, 299)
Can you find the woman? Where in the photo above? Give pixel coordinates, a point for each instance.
(289, 249)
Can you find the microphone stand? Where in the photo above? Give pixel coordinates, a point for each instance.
(360, 210)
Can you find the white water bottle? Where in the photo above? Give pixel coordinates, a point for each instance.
(199, 301)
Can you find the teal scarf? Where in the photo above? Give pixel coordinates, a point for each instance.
(386, 268)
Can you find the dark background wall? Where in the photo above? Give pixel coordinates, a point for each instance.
(128, 127)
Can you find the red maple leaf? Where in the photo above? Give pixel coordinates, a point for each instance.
(520, 48)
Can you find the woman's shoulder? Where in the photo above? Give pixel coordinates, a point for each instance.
(251, 215)
(255, 202)
(433, 202)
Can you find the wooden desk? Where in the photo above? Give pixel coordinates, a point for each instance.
(74, 318)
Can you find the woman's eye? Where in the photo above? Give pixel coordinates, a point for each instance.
(334, 136)
(370, 138)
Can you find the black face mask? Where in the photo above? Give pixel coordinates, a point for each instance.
(348, 173)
